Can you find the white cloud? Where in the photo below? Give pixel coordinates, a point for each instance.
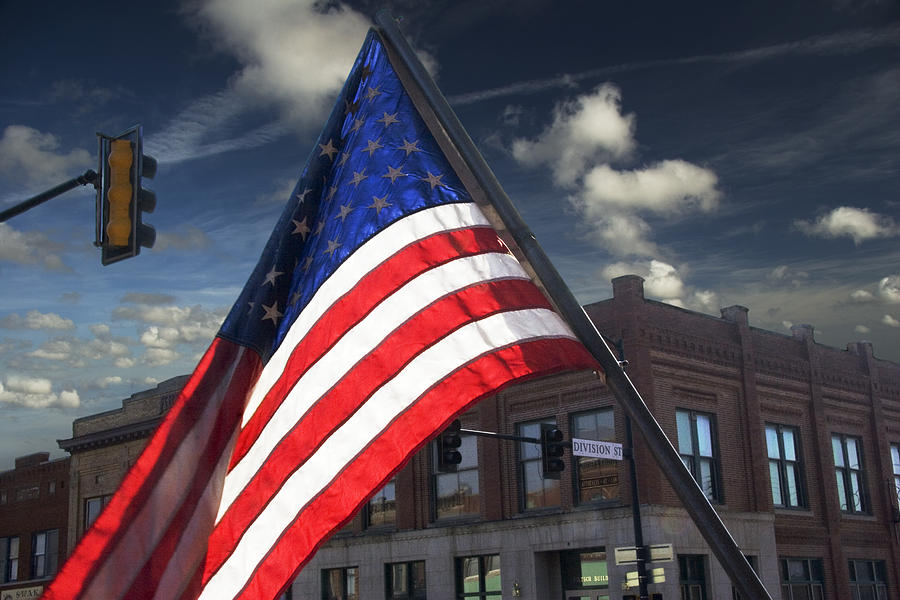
(586, 130)
(860, 224)
(663, 281)
(159, 357)
(297, 52)
(666, 282)
(34, 392)
(29, 248)
(667, 187)
(890, 321)
(37, 320)
(861, 329)
(32, 157)
(862, 296)
(105, 382)
(889, 289)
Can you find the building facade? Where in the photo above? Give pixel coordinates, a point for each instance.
(797, 446)
(105, 445)
(33, 524)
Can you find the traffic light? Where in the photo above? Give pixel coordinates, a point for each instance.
(121, 201)
(448, 443)
(552, 448)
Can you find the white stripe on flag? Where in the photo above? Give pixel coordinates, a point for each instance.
(431, 366)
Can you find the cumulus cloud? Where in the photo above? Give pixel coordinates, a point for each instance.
(586, 130)
(860, 224)
(861, 329)
(889, 289)
(589, 134)
(34, 158)
(34, 392)
(30, 248)
(862, 296)
(890, 321)
(37, 320)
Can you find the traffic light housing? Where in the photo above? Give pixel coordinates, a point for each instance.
(448, 443)
(552, 449)
(121, 201)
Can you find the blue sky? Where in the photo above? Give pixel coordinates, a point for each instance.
(729, 152)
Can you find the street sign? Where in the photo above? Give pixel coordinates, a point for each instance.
(658, 575)
(661, 553)
(595, 449)
(626, 555)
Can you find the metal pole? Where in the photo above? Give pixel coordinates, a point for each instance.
(636, 515)
(88, 177)
(690, 494)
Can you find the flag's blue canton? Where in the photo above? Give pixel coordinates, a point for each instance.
(374, 163)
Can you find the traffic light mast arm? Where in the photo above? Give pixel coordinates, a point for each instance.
(501, 436)
(89, 177)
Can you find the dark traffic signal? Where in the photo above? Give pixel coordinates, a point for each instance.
(448, 443)
(552, 448)
(121, 201)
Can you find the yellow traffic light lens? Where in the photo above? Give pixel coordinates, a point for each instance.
(121, 192)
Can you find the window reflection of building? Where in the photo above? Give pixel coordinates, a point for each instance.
(340, 584)
(537, 492)
(595, 479)
(457, 494)
(478, 577)
(382, 508)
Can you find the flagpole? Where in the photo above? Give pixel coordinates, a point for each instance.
(690, 494)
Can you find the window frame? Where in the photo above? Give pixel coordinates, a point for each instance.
(413, 591)
(380, 494)
(895, 461)
(688, 584)
(468, 466)
(344, 578)
(878, 582)
(843, 474)
(578, 461)
(695, 459)
(813, 582)
(49, 558)
(782, 464)
(482, 593)
(528, 455)
(9, 554)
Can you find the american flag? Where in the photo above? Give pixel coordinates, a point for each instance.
(384, 305)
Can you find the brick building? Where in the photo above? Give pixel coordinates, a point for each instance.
(33, 515)
(796, 444)
(103, 447)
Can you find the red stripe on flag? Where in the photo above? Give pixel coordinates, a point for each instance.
(107, 545)
(330, 411)
(387, 454)
(357, 303)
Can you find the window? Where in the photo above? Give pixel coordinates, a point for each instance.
(456, 494)
(895, 459)
(9, 559)
(478, 577)
(849, 473)
(802, 579)
(868, 580)
(595, 479)
(697, 446)
(584, 571)
(44, 553)
(736, 595)
(692, 577)
(785, 475)
(536, 492)
(340, 584)
(92, 508)
(382, 508)
(405, 581)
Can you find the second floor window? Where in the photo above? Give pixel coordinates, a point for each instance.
(595, 479)
(44, 553)
(382, 508)
(848, 470)
(785, 473)
(92, 508)
(895, 460)
(698, 449)
(802, 579)
(456, 494)
(536, 492)
(9, 559)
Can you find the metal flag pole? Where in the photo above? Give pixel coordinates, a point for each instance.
(690, 494)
